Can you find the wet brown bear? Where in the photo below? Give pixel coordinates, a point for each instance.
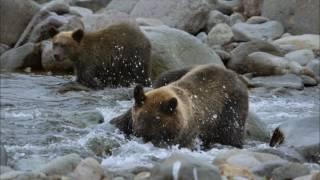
(209, 102)
(116, 56)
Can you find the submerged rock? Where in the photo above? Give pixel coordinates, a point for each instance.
(256, 129)
(86, 118)
(287, 81)
(179, 166)
(290, 171)
(61, 165)
(88, 169)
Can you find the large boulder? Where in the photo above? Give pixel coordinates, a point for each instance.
(239, 54)
(14, 18)
(125, 6)
(265, 31)
(173, 49)
(188, 15)
(28, 55)
(298, 17)
(94, 5)
(306, 41)
(179, 166)
(96, 22)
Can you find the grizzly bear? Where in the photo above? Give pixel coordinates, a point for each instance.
(209, 102)
(118, 55)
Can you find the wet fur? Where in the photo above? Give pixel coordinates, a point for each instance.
(215, 90)
(116, 56)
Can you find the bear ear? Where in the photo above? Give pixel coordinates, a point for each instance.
(170, 106)
(53, 31)
(77, 35)
(138, 95)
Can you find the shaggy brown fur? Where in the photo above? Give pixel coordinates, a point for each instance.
(208, 102)
(116, 56)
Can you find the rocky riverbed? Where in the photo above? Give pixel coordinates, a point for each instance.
(274, 45)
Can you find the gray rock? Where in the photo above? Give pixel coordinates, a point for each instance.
(298, 17)
(102, 146)
(311, 176)
(287, 81)
(240, 53)
(61, 165)
(224, 55)
(301, 132)
(87, 169)
(265, 170)
(179, 166)
(29, 163)
(246, 158)
(125, 6)
(57, 6)
(227, 6)
(80, 11)
(308, 81)
(265, 31)
(187, 15)
(13, 24)
(202, 36)
(314, 65)
(306, 41)
(3, 48)
(85, 118)
(290, 171)
(5, 169)
(303, 56)
(173, 49)
(220, 34)
(3, 156)
(149, 22)
(19, 175)
(94, 5)
(96, 22)
(27, 55)
(41, 30)
(216, 17)
(48, 61)
(256, 129)
(257, 20)
(236, 18)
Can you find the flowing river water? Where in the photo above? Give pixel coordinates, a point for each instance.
(38, 124)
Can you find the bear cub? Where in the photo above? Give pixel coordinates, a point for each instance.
(116, 56)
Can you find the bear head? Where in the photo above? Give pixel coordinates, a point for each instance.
(66, 44)
(157, 116)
